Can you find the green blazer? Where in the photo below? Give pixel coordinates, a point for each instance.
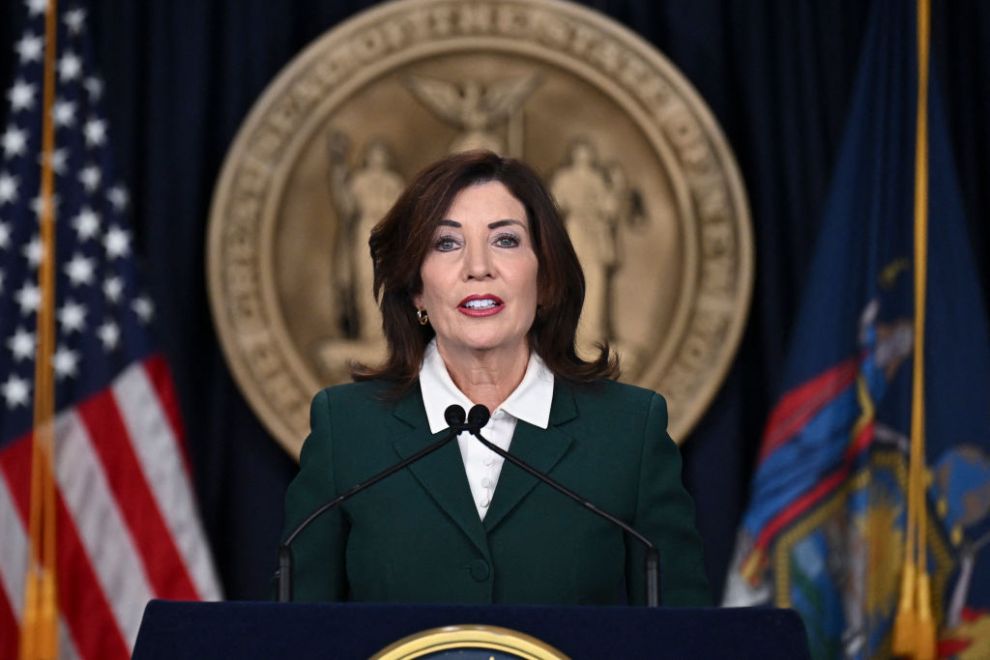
(416, 536)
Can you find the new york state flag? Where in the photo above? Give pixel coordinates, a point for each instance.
(826, 529)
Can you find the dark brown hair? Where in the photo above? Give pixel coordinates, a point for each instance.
(401, 241)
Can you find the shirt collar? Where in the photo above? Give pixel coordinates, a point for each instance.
(530, 401)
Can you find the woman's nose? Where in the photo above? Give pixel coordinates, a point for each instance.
(477, 262)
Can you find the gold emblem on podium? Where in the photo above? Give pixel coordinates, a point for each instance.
(648, 186)
(469, 643)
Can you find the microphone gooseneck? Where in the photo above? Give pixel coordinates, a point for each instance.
(479, 416)
(283, 576)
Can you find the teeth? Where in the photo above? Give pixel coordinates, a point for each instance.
(486, 303)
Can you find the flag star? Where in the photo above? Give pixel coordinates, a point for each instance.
(65, 362)
(86, 224)
(89, 176)
(37, 6)
(64, 112)
(38, 205)
(109, 334)
(59, 157)
(57, 161)
(143, 308)
(69, 66)
(28, 297)
(34, 251)
(8, 188)
(95, 131)
(74, 20)
(94, 87)
(21, 344)
(72, 316)
(79, 270)
(15, 391)
(113, 287)
(118, 197)
(117, 242)
(4, 235)
(21, 96)
(14, 142)
(29, 48)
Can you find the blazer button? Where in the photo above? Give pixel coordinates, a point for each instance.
(480, 570)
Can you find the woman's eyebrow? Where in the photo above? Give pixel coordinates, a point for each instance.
(503, 223)
(491, 225)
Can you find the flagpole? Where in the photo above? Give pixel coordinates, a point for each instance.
(926, 624)
(914, 627)
(39, 632)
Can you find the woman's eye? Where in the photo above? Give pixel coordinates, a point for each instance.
(445, 244)
(507, 241)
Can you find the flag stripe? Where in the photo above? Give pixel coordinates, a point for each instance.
(82, 602)
(106, 538)
(828, 484)
(157, 549)
(9, 631)
(798, 406)
(66, 645)
(12, 566)
(161, 380)
(13, 563)
(163, 470)
(13, 559)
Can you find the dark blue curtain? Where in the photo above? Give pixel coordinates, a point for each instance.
(182, 76)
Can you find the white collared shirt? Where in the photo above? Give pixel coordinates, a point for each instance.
(530, 402)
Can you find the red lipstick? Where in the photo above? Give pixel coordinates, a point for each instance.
(481, 305)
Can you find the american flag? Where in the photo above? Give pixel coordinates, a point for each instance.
(127, 523)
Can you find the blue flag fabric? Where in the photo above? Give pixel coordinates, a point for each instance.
(825, 529)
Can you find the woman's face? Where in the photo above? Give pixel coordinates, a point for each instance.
(479, 277)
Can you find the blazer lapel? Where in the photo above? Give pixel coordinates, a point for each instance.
(441, 473)
(540, 448)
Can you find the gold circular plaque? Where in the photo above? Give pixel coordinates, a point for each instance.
(462, 639)
(647, 184)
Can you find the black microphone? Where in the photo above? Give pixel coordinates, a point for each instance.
(454, 415)
(479, 416)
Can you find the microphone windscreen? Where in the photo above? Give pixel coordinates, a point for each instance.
(478, 416)
(454, 414)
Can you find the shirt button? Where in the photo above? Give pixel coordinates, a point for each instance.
(480, 570)
(486, 483)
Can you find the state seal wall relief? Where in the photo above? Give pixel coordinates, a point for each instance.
(647, 185)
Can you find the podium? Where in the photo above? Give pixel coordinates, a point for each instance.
(241, 629)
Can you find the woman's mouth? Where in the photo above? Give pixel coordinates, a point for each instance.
(483, 305)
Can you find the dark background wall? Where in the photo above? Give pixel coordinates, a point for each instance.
(181, 76)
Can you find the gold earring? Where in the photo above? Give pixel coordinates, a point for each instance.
(422, 316)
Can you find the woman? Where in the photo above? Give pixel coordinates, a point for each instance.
(481, 293)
